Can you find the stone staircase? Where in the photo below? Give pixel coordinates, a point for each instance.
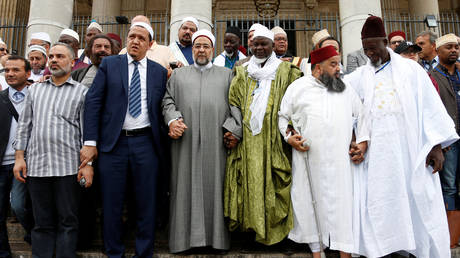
(242, 247)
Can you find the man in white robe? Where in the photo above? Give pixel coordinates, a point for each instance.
(196, 109)
(322, 109)
(182, 49)
(398, 203)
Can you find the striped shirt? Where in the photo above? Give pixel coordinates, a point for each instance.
(50, 128)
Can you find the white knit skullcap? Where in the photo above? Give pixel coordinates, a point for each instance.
(263, 32)
(37, 48)
(278, 30)
(94, 25)
(145, 26)
(255, 26)
(41, 36)
(204, 33)
(71, 33)
(320, 35)
(446, 39)
(2, 42)
(190, 19)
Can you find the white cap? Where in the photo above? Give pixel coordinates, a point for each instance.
(190, 19)
(71, 33)
(278, 30)
(320, 35)
(37, 48)
(263, 32)
(145, 26)
(94, 25)
(446, 39)
(2, 42)
(255, 26)
(204, 33)
(41, 36)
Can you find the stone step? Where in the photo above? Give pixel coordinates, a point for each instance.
(242, 246)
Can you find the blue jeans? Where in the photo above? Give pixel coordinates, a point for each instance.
(21, 205)
(448, 176)
(6, 179)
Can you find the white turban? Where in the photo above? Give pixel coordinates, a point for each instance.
(255, 26)
(264, 32)
(446, 39)
(41, 36)
(190, 19)
(37, 48)
(145, 26)
(204, 33)
(94, 25)
(278, 30)
(71, 33)
(320, 35)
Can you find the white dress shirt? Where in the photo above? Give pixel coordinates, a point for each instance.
(143, 119)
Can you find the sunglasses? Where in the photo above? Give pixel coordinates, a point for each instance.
(3, 49)
(396, 42)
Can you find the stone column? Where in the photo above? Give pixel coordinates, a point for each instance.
(353, 14)
(200, 9)
(50, 16)
(105, 11)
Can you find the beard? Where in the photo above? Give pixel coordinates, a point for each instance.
(377, 63)
(201, 60)
(59, 72)
(97, 58)
(332, 83)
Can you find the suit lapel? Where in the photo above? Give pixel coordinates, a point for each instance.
(150, 82)
(124, 72)
(5, 99)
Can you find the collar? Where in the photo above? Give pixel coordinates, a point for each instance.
(142, 62)
(12, 90)
(203, 67)
(69, 81)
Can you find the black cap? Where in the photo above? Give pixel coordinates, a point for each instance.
(407, 45)
(234, 30)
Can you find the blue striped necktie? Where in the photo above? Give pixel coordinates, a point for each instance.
(135, 93)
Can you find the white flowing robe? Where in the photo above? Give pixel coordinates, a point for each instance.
(330, 117)
(398, 203)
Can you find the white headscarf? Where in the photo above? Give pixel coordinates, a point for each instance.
(264, 76)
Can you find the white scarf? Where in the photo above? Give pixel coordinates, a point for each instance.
(264, 76)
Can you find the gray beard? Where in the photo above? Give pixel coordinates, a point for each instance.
(378, 63)
(332, 83)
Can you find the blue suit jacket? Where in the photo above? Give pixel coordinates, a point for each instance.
(106, 102)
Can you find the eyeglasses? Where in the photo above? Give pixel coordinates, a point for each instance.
(396, 42)
(3, 49)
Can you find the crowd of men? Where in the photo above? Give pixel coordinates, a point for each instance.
(360, 158)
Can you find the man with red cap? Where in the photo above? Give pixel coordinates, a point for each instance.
(395, 38)
(398, 203)
(322, 109)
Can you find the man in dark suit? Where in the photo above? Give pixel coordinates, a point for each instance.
(356, 59)
(17, 70)
(123, 119)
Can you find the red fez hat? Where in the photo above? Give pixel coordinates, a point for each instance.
(373, 28)
(115, 37)
(397, 33)
(322, 54)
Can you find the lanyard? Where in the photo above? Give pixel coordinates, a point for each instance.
(381, 68)
(450, 77)
(232, 63)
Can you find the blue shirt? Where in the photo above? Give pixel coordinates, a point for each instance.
(187, 51)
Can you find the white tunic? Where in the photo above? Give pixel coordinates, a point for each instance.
(329, 125)
(398, 203)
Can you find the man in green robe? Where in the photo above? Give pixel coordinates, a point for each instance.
(258, 173)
